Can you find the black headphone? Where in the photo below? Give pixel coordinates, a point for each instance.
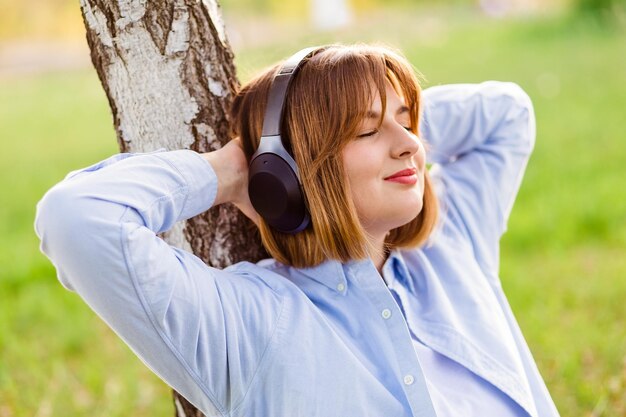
(274, 183)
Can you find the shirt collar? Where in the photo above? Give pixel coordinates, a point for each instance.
(329, 273)
(396, 268)
(333, 274)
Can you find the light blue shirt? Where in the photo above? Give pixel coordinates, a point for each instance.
(267, 339)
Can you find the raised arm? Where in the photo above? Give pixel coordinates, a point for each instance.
(202, 330)
(481, 137)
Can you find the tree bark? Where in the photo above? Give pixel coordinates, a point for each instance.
(167, 69)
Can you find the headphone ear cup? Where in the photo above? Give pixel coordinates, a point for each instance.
(275, 193)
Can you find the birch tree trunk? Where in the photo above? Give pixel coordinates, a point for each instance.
(167, 70)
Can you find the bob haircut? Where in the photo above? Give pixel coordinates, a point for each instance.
(324, 108)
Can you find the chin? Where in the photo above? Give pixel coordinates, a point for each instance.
(417, 209)
(400, 219)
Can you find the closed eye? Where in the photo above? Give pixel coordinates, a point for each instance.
(366, 134)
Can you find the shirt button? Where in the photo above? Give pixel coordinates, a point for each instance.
(408, 379)
(341, 287)
(386, 313)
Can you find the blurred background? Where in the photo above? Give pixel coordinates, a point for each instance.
(563, 257)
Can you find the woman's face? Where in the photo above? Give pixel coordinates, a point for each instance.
(377, 153)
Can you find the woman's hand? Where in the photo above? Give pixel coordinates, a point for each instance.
(231, 166)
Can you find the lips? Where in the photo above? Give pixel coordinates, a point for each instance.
(404, 173)
(406, 176)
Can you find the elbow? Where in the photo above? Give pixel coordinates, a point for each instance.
(53, 218)
(521, 113)
(73, 231)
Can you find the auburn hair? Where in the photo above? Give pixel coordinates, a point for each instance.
(324, 107)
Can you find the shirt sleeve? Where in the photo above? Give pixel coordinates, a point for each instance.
(202, 330)
(480, 138)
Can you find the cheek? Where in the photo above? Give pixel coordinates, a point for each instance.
(362, 162)
(368, 194)
(362, 173)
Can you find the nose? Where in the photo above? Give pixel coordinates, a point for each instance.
(406, 144)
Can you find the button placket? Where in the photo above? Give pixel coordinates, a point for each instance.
(385, 302)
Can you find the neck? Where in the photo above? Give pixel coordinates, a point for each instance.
(380, 256)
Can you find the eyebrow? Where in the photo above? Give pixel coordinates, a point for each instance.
(376, 115)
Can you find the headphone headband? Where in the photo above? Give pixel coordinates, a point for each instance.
(278, 91)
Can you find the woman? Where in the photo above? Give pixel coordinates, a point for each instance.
(388, 303)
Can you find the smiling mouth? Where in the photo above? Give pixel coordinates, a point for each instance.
(404, 179)
(405, 176)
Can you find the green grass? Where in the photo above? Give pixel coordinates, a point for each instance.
(563, 263)
(57, 358)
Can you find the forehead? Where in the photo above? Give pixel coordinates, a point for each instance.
(392, 94)
(394, 102)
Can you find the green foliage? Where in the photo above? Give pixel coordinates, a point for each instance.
(604, 11)
(598, 6)
(562, 263)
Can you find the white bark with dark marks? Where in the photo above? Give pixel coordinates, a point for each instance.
(167, 69)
